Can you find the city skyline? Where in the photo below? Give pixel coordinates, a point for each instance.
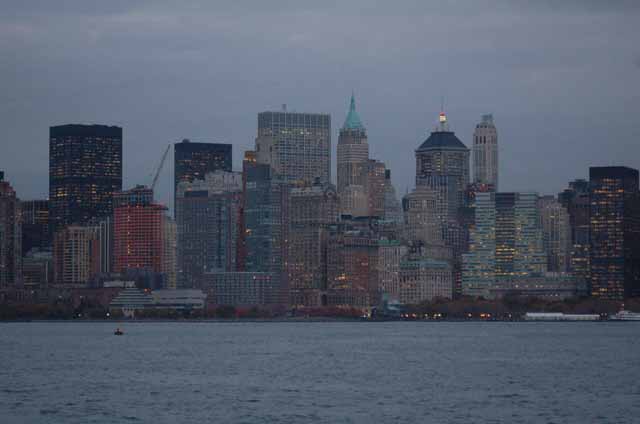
(477, 71)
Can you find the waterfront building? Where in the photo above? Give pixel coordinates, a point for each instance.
(485, 153)
(577, 201)
(615, 232)
(170, 252)
(506, 241)
(207, 226)
(37, 269)
(35, 225)
(244, 289)
(556, 233)
(353, 165)
(138, 231)
(192, 161)
(85, 169)
(296, 146)
(390, 254)
(424, 279)
(76, 255)
(10, 236)
(312, 210)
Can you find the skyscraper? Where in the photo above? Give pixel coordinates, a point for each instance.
(35, 225)
(76, 254)
(615, 232)
(207, 226)
(85, 169)
(297, 146)
(192, 161)
(10, 236)
(138, 231)
(485, 153)
(353, 165)
(578, 203)
(506, 242)
(556, 233)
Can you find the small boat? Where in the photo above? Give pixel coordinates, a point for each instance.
(118, 332)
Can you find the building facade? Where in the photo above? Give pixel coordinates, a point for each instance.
(85, 169)
(192, 161)
(35, 225)
(297, 146)
(556, 234)
(76, 255)
(577, 201)
(10, 236)
(207, 226)
(485, 153)
(615, 232)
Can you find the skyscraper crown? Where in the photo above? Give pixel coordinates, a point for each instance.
(353, 121)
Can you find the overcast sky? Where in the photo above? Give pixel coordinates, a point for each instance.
(562, 81)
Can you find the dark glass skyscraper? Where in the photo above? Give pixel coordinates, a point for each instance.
(85, 169)
(35, 225)
(193, 160)
(615, 232)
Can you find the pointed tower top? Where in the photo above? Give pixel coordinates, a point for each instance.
(353, 121)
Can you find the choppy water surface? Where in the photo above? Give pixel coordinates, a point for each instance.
(320, 372)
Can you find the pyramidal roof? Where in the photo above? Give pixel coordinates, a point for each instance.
(442, 138)
(353, 121)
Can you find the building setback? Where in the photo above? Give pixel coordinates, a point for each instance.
(10, 236)
(297, 146)
(85, 169)
(615, 232)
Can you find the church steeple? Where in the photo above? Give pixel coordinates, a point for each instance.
(353, 121)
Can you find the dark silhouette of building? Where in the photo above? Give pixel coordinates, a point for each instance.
(578, 203)
(10, 237)
(615, 232)
(85, 169)
(192, 161)
(35, 226)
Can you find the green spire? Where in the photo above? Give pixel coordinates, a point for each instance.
(353, 119)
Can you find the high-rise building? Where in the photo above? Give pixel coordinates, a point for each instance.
(423, 279)
(138, 231)
(353, 165)
(392, 208)
(485, 153)
(192, 161)
(375, 188)
(506, 242)
(578, 203)
(35, 225)
(390, 255)
(615, 232)
(10, 236)
(170, 252)
(556, 233)
(443, 161)
(297, 146)
(85, 169)
(76, 255)
(312, 210)
(207, 226)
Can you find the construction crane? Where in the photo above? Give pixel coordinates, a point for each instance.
(162, 161)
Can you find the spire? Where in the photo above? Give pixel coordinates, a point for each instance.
(353, 121)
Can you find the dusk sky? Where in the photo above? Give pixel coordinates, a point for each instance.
(562, 79)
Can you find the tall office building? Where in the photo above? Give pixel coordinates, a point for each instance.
(170, 252)
(35, 225)
(10, 236)
(578, 203)
(375, 188)
(192, 161)
(506, 242)
(137, 231)
(297, 146)
(353, 165)
(615, 232)
(312, 210)
(85, 169)
(76, 255)
(556, 233)
(392, 208)
(485, 153)
(207, 226)
(442, 161)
